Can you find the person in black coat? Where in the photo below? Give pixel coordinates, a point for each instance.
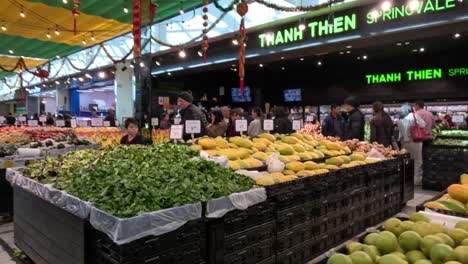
(191, 112)
(381, 126)
(133, 133)
(333, 125)
(10, 119)
(282, 124)
(354, 128)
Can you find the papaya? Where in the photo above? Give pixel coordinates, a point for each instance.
(357, 156)
(464, 179)
(310, 165)
(298, 148)
(270, 137)
(243, 153)
(264, 181)
(345, 159)
(234, 165)
(304, 173)
(333, 146)
(260, 155)
(334, 161)
(295, 166)
(241, 142)
(331, 167)
(262, 140)
(290, 140)
(304, 155)
(231, 154)
(459, 192)
(285, 150)
(453, 205)
(298, 136)
(288, 172)
(207, 143)
(196, 147)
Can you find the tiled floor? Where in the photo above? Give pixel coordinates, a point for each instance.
(7, 246)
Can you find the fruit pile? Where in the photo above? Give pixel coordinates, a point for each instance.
(160, 136)
(19, 135)
(356, 145)
(456, 199)
(453, 133)
(7, 150)
(416, 241)
(106, 136)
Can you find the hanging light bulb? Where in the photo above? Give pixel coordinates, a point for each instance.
(414, 5)
(92, 37)
(4, 27)
(48, 34)
(65, 1)
(181, 11)
(22, 14)
(56, 31)
(302, 25)
(386, 5)
(125, 10)
(11, 51)
(158, 63)
(182, 54)
(83, 41)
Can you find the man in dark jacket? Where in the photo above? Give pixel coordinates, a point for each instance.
(354, 128)
(333, 124)
(282, 123)
(191, 112)
(110, 117)
(10, 119)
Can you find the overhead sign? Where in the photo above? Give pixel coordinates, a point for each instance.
(415, 75)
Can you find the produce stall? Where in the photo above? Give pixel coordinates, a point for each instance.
(131, 192)
(445, 159)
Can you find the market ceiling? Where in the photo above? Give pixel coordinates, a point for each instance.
(40, 30)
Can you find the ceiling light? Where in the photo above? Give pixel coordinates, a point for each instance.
(182, 54)
(57, 56)
(4, 27)
(65, 1)
(386, 5)
(319, 63)
(200, 53)
(158, 63)
(125, 10)
(83, 41)
(169, 73)
(415, 50)
(456, 35)
(399, 44)
(88, 75)
(364, 57)
(92, 37)
(283, 68)
(422, 49)
(44, 85)
(358, 58)
(374, 14)
(56, 31)
(11, 51)
(348, 51)
(407, 43)
(132, 66)
(181, 11)
(81, 79)
(414, 5)
(261, 65)
(341, 52)
(22, 14)
(349, 46)
(235, 42)
(74, 78)
(282, 58)
(302, 26)
(57, 82)
(234, 70)
(235, 6)
(48, 34)
(142, 65)
(102, 75)
(302, 59)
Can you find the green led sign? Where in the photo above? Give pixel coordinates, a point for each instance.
(405, 10)
(414, 75)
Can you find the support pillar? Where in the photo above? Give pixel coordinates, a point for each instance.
(124, 91)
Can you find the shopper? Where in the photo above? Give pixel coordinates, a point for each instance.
(447, 121)
(94, 113)
(50, 120)
(236, 114)
(110, 117)
(165, 121)
(189, 111)
(67, 117)
(428, 119)
(218, 127)
(226, 111)
(282, 124)
(333, 124)
(133, 133)
(354, 128)
(381, 126)
(255, 127)
(407, 120)
(10, 120)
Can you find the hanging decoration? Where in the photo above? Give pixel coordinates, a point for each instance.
(242, 9)
(229, 8)
(300, 8)
(75, 13)
(136, 29)
(111, 58)
(205, 30)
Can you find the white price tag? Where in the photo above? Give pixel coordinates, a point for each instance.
(61, 123)
(96, 122)
(82, 123)
(32, 123)
(458, 119)
(106, 123)
(22, 119)
(117, 123)
(2, 119)
(42, 119)
(192, 126)
(268, 125)
(72, 123)
(241, 125)
(160, 100)
(177, 132)
(154, 121)
(296, 125)
(309, 118)
(177, 120)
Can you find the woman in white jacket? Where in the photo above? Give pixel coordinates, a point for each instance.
(407, 120)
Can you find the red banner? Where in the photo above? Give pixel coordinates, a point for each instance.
(136, 29)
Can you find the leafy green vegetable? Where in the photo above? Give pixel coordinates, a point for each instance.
(130, 180)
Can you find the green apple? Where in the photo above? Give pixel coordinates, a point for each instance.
(339, 259)
(414, 255)
(372, 251)
(428, 242)
(393, 225)
(391, 259)
(407, 225)
(400, 255)
(386, 242)
(422, 228)
(360, 257)
(353, 246)
(458, 235)
(409, 240)
(441, 253)
(423, 261)
(464, 242)
(463, 225)
(437, 228)
(461, 253)
(370, 239)
(419, 217)
(447, 240)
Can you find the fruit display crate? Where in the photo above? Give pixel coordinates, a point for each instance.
(422, 207)
(442, 166)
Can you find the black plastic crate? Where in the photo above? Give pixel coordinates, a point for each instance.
(239, 220)
(297, 235)
(302, 252)
(247, 238)
(283, 188)
(253, 254)
(6, 194)
(287, 219)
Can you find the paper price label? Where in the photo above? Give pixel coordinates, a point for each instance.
(106, 123)
(32, 123)
(268, 125)
(241, 125)
(177, 132)
(61, 123)
(177, 120)
(296, 124)
(22, 119)
(458, 119)
(2, 119)
(42, 119)
(72, 122)
(96, 122)
(192, 126)
(117, 123)
(82, 123)
(309, 118)
(154, 121)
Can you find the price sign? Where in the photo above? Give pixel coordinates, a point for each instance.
(22, 119)
(296, 125)
(2, 119)
(117, 123)
(241, 125)
(61, 123)
(177, 131)
(154, 121)
(42, 119)
(83, 123)
(160, 100)
(309, 118)
(458, 119)
(268, 125)
(177, 120)
(96, 122)
(32, 123)
(106, 123)
(72, 122)
(192, 126)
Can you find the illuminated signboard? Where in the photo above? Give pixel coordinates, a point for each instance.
(415, 75)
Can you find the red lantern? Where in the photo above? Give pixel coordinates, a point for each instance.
(75, 13)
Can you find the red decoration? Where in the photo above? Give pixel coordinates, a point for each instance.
(242, 9)
(75, 13)
(205, 30)
(136, 29)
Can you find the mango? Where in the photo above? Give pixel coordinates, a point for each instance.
(310, 165)
(259, 146)
(304, 173)
(295, 166)
(288, 172)
(285, 150)
(345, 159)
(212, 152)
(453, 205)
(464, 179)
(221, 142)
(243, 153)
(262, 140)
(253, 163)
(334, 161)
(264, 181)
(459, 192)
(241, 142)
(242, 164)
(304, 155)
(231, 154)
(298, 148)
(357, 156)
(435, 205)
(207, 143)
(260, 155)
(331, 167)
(290, 140)
(234, 165)
(196, 147)
(270, 137)
(333, 146)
